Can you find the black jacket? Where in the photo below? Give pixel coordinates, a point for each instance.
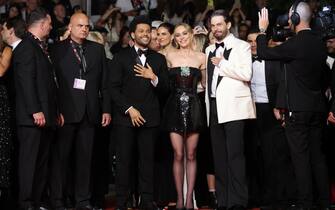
(95, 99)
(304, 56)
(273, 71)
(128, 90)
(34, 83)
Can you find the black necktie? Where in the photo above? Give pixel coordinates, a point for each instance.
(217, 45)
(142, 52)
(82, 57)
(256, 58)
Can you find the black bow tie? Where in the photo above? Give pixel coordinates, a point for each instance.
(217, 45)
(256, 58)
(142, 52)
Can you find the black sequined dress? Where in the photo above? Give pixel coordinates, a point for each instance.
(5, 136)
(183, 112)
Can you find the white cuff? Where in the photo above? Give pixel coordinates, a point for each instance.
(154, 82)
(126, 112)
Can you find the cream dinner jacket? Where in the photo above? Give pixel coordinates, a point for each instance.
(233, 94)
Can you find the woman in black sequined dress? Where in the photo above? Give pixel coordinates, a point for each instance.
(183, 114)
(5, 126)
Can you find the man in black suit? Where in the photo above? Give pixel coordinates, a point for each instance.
(331, 62)
(137, 76)
(304, 57)
(35, 108)
(267, 132)
(84, 102)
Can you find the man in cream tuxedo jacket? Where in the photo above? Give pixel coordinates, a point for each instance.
(228, 105)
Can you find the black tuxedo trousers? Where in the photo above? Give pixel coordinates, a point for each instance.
(143, 140)
(229, 161)
(34, 147)
(74, 143)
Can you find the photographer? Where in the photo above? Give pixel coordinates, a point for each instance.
(304, 57)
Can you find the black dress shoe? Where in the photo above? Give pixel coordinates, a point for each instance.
(294, 207)
(88, 207)
(237, 207)
(221, 208)
(148, 206)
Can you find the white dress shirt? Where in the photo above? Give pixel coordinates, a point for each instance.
(218, 53)
(258, 83)
(143, 59)
(15, 44)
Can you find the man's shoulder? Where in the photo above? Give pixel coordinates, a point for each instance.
(124, 51)
(239, 42)
(156, 55)
(26, 46)
(93, 45)
(210, 48)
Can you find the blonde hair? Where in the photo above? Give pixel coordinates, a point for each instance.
(95, 37)
(188, 29)
(199, 42)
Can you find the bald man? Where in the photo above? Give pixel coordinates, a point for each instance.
(84, 103)
(304, 57)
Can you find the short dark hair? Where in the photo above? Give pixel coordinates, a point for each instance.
(36, 15)
(253, 31)
(18, 25)
(223, 13)
(142, 19)
(167, 26)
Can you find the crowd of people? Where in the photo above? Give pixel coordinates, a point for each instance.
(175, 110)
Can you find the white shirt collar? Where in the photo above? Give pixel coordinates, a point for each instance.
(226, 42)
(15, 44)
(136, 48)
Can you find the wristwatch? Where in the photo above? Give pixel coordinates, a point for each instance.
(262, 30)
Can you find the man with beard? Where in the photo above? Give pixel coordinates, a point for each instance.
(138, 74)
(228, 105)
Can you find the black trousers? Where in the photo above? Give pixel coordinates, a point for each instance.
(126, 139)
(229, 160)
(304, 133)
(34, 147)
(74, 143)
(269, 166)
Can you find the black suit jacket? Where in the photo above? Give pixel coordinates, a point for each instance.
(332, 87)
(34, 83)
(128, 90)
(95, 99)
(304, 56)
(273, 70)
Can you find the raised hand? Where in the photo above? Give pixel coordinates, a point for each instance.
(263, 20)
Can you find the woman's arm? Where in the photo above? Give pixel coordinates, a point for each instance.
(5, 59)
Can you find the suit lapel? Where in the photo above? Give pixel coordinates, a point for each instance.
(149, 57)
(134, 57)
